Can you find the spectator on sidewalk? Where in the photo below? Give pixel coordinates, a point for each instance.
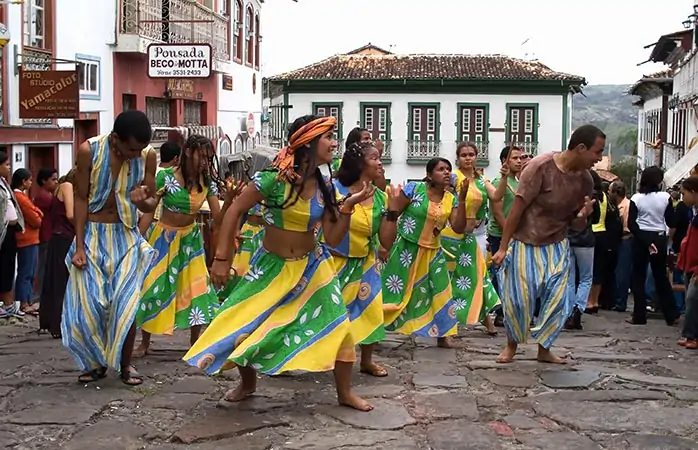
(47, 179)
(650, 214)
(27, 242)
(624, 265)
(12, 223)
(688, 262)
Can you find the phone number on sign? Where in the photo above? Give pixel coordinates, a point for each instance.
(180, 73)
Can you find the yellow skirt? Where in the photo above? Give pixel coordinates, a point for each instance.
(360, 281)
(283, 315)
(251, 239)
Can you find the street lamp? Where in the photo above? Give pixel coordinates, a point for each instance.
(695, 9)
(687, 24)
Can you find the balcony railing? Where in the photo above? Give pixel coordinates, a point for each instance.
(176, 22)
(671, 155)
(650, 157)
(527, 147)
(422, 151)
(387, 157)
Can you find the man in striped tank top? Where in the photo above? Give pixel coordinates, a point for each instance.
(109, 259)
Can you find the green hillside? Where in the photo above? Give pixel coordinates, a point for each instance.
(610, 108)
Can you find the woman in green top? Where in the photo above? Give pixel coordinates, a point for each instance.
(177, 293)
(473, 292)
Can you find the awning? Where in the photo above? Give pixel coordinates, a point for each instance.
(682, 168)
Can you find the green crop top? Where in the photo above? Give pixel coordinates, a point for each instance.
(175, 198)
(302, 216)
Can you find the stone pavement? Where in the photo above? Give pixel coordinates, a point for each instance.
(626, 387)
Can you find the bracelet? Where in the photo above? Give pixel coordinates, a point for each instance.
(392, 216)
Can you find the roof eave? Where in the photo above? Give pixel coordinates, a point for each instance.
(576, 81)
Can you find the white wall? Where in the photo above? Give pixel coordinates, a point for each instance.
(234, 106)
(549, 130)
(644, 159)
(84, 30)
(82, 27)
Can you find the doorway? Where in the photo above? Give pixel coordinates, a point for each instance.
(84, 129)
(40, 157)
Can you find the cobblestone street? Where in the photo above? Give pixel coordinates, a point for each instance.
(626, 387)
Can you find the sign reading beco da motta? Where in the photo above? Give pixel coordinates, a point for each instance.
(179, 60)
(49, 94)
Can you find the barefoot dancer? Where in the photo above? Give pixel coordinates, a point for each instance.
(473, 291)
(177, 292)
(110, 259)
(355, 257)
(554, 194)
(287, 312)
(417, 294)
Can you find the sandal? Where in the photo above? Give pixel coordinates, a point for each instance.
(93, 375)
(130, 377)
(30, 310)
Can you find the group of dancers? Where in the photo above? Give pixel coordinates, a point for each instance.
(308, 267)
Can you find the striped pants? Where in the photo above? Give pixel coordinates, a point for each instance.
(530, 272)
(101, 300)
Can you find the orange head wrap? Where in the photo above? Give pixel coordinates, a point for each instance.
(303, 136)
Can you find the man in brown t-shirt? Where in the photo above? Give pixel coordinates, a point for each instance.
(554, 194)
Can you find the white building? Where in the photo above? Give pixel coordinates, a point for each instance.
(240, 90)
(653, 91)
(108, 44)
(668, 118)
(422, 106)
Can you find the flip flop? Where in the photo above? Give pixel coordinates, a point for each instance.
(130, 377)
(92, 375)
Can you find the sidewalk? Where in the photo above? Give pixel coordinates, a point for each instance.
(626, 387)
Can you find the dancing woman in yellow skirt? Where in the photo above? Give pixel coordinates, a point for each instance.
(416, 285)
(355, 256)
(472, 288)
(250, 238)
(287, 312)
(177, 293)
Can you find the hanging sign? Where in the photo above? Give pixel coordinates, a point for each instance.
(179, 60)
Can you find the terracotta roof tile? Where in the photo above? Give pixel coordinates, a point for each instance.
(450, 67)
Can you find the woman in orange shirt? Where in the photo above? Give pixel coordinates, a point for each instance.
(27, 242)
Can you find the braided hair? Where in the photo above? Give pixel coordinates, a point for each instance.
(308, 153)
(353, 162)
(208, 164)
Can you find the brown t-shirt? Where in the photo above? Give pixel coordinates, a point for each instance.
(553, 199)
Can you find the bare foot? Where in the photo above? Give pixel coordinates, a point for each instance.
(507, 355)
(352, 401)
(238, 394)
(546, 356)
(139, 352)
(448, 342)
(374, 370)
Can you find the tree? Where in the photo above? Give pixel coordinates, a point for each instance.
(626, 170)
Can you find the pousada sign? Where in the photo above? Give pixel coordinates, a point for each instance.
(179, 60)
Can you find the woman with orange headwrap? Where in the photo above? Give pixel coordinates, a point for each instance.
(287, 312)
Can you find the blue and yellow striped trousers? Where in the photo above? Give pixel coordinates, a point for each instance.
(535, 271)
(101, 300)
